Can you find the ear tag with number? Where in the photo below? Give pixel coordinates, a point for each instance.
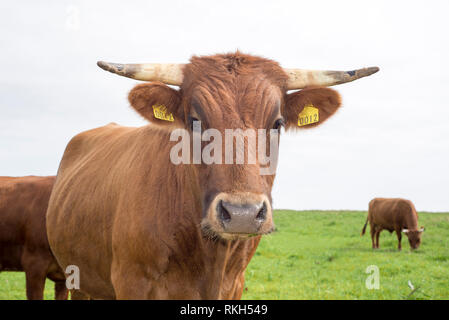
(308, 115)
(160, 112)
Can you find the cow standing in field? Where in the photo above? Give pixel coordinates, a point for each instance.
(23, 236)
(393, 215)
(138, 225)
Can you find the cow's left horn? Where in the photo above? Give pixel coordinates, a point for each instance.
(169, 73)
(299, 78)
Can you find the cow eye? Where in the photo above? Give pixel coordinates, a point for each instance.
(279, 123)
(191, 121)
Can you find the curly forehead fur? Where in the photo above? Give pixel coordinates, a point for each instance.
(228, 66)
(234, 83)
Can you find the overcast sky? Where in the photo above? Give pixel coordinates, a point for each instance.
(390, 138)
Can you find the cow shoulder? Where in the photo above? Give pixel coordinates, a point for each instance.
(88, 141)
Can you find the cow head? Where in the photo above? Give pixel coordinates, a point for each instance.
(414, 237)
(242, 98)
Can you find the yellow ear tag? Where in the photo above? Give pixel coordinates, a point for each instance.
(160, 112)
(308, 115)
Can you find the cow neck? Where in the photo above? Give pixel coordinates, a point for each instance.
(222, 262)
(412, 220)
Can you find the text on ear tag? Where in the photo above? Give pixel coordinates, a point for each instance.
(160, 112)
(308, 115)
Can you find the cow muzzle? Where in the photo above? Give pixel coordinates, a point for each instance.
(238, 215)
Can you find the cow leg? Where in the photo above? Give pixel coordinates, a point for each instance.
(377, 238)
(373, 234)
(35, 283)
(78, 295)
(133, 289)
(61, 292)
(36, 265)
(399, 234)
(130, 283)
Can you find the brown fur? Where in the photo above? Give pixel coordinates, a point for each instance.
(23, 238)
(144, 96)
(393, 215)
(326, 99)
(131, 220)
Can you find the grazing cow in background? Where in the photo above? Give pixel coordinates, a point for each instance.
(23, 235)
(393, 215)
(139, 226)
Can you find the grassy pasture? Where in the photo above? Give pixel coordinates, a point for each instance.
(320, 255)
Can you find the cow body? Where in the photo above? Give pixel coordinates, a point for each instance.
(140, 226)
(23, 238)
(141, 247)
(395, 214)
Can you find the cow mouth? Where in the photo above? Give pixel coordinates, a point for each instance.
(240, 215)
(210, 233)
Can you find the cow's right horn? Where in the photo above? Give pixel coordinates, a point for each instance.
(300, 78)
(169, 73)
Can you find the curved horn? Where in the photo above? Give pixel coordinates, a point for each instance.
(169, 73)
(299, 78)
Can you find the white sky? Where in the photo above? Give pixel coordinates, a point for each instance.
(390, 138)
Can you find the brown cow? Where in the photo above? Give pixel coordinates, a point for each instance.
(139, 226)
(393, 215)
(23, 236)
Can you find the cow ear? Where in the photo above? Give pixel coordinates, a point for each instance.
(422, 229)
(405, 230)
(310, 107)
(157, 103)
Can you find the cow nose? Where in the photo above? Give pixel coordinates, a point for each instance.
(241, 218)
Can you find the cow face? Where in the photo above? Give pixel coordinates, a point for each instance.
(414, 237)
(243, 98)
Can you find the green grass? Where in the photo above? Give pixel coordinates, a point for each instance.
(12, 287)
(320, 255)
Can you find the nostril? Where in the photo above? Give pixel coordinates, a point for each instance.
(262, 215)
(223, 214)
